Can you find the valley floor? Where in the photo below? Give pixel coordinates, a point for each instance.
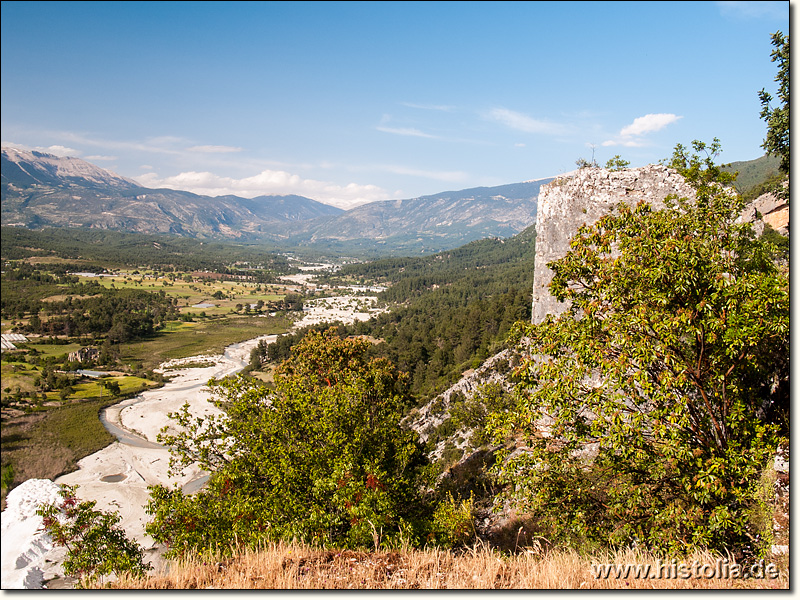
(117, 477)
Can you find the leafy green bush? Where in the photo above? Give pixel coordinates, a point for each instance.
(617, 163)
(95, 545)
(652, 414)
(453, 523)
(322, 458)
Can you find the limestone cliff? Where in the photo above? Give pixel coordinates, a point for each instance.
(584, 198)
(589, 194)
(770, 209)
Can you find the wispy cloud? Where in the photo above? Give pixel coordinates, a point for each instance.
(755, 10)
(215, 149)
(449, 176)
(157, 145)
(525, 123)
(437, 107)
(406, 131)
(101, 157)
(387, 127)
(633, 135)
(267, 182)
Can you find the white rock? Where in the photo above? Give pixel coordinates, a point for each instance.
(25, 547)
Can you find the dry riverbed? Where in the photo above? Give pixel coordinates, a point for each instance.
(117, 477)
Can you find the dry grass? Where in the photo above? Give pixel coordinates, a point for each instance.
(295, 566)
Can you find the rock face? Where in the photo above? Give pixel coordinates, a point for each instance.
(770, 209)
(587, 195)
(584, 198)
(491, 371)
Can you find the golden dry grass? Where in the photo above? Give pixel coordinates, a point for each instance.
(295, 566)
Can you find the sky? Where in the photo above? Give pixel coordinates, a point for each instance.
(355, 102)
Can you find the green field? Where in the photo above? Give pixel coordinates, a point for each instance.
(49, 443)
(46, 350)
(180, 340)
(128, 385)
(196, 291)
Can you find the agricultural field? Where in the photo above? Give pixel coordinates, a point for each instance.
(131, 321)
(221, 296)
(207, 336)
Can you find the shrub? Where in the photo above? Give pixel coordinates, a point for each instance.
(650, 406)
(95, 545)
(322, 458)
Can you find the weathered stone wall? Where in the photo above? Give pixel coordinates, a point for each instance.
(584, 198)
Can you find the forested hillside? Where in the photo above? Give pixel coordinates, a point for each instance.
(454, 309)
(103, 248)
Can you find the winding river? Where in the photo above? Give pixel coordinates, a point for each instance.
(117, 477)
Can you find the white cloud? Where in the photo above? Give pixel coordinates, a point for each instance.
(525, 123)
(101, 157)
(648, 124)
(267, 182)
(214, 149)
(60, 150)
(631, 136)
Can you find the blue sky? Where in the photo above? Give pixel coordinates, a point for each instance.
(354, 102)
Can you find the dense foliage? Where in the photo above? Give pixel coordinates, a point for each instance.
(453, 310)
(82, 308)
(92, 248)
(777, 117)
(321, 459)
(648, 406)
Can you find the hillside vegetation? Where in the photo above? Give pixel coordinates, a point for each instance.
(450, 311)
(754, 177)
(644, 426)
(93, 249)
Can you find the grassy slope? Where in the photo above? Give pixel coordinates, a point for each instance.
(293, 566)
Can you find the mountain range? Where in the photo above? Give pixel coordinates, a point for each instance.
(42, 190)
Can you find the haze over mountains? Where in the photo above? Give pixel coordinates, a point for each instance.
(42, 190)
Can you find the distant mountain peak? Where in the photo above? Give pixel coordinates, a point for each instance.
(48, 169)
(42, 190)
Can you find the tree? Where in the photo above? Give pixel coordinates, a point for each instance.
(777, 118)
(322, 458)
(647, 406)
(112, 386)
(617, 163)
(95, 545)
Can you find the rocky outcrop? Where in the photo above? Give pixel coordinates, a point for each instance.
(564, 205)
(584, 198)
(430, 416)
(770, 209)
